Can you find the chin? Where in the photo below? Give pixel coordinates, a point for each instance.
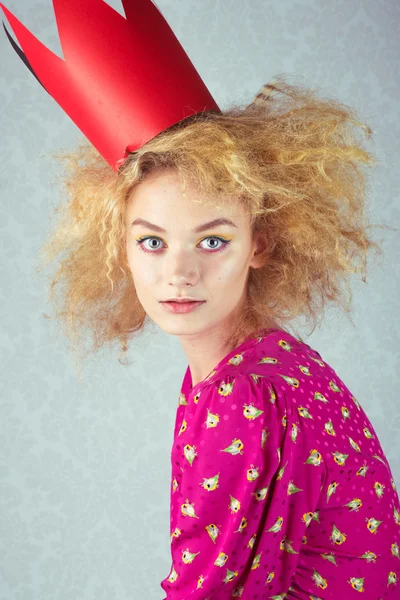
(180, 325)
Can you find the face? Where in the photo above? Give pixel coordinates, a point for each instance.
(211, 265)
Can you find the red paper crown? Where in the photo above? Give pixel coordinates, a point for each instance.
(123, 81)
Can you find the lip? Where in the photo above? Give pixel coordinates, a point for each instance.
(183, 299)
(182, 307)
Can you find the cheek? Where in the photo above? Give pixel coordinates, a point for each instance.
(228, 271)
(143, 274)
(142, 271)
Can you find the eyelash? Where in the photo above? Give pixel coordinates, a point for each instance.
(140, 241)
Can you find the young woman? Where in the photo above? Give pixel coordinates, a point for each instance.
(280, 487)
(222, 228)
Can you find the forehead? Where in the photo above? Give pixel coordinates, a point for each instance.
(162, 193)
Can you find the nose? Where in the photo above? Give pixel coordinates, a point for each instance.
(181, 268)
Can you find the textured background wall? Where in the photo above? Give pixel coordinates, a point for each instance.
(84, 466)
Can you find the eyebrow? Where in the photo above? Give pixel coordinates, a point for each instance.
(215, 223)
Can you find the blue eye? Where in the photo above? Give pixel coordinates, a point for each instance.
(224, 244)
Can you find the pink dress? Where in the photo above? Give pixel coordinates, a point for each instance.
(280, 488)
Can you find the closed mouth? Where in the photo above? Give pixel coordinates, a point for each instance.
(181, 301)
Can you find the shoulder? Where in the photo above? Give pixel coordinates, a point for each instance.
(279, 370)
(273, 359)
(240, 396)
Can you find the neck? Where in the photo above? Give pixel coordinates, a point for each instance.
(204, 351)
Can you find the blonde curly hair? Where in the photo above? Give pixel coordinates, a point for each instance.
(294, 160)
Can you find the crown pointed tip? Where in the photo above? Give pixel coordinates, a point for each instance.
(12, 19)
(4, 9)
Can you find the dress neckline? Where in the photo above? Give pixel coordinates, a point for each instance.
(247, 344)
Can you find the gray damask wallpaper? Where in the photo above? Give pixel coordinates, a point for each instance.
(84, 464)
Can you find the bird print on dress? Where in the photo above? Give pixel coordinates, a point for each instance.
(280, 487)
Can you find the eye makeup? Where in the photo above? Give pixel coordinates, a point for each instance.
(224, 241)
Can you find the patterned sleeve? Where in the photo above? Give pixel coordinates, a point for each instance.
(246, 494)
